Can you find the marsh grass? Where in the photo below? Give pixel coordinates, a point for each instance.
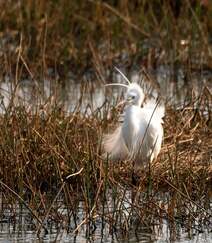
(74, 36)
(54, 155)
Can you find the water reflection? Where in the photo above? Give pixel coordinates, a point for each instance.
(91, 95)
(17, 225)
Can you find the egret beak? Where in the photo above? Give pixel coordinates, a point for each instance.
(129, 100)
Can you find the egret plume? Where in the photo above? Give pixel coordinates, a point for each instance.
(126, 79)
(117, 84)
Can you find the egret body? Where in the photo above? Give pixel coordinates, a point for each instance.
(139, 137)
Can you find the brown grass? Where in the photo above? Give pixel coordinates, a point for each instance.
(39, 152)
(74, 36)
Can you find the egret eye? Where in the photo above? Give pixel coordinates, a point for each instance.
(131, 97)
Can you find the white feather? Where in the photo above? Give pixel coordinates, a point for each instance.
(114, 145)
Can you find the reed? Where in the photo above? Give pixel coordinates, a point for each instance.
(41, 165)
(64, 35)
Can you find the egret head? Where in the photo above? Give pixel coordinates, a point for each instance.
(135, 95)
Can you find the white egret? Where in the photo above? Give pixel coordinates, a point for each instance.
(139, 137)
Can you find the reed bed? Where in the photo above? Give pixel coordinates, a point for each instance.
(75, 36)
(47, 155)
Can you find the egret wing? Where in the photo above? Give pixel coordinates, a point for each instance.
(148, 133)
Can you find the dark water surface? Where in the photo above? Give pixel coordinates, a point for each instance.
(18, 225)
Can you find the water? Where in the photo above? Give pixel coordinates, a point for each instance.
(19, 226)
(87, 90)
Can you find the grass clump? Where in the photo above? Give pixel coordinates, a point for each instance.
(59, 155)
